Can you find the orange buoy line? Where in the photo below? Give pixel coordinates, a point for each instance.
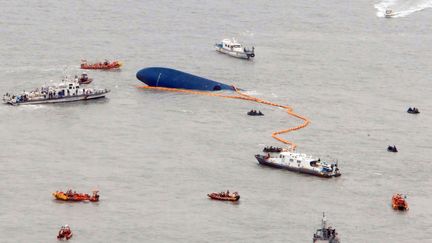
(243, 96)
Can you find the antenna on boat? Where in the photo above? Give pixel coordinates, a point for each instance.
(324, 221)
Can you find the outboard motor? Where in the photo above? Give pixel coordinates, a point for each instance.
(251, 53)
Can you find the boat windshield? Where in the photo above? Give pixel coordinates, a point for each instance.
(315, 163)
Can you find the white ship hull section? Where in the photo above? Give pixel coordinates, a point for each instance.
(61, 100)
(233, 53)
(299, 163)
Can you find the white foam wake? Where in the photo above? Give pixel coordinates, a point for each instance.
(402, 8)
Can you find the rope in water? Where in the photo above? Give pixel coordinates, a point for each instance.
(243, 96)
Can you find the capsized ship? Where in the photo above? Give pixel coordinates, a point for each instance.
(297, 162)
(171, 78)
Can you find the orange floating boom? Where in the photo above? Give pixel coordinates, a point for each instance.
(243, 96)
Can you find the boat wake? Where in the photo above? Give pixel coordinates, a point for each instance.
(401, 8)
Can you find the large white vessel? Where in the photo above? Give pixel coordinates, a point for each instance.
(235, 49)
(297, 162)
(66, 91)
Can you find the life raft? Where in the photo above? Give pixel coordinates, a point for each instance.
(217, 196)
(76, 197)
(399, 202)
(65, 234)
(101, 65)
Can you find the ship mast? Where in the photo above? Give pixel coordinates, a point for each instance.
(324, 222)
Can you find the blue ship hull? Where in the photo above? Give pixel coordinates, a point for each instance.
(171, 78)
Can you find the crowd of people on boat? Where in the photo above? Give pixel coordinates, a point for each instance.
(255, 113)
(272, 149)
(69, 193)
(227, 194)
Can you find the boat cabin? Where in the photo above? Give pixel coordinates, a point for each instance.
(67, 88)
(232, 45)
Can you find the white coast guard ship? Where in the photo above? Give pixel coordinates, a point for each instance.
(297, 162)
(66, 91)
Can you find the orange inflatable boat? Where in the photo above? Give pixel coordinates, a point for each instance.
(101, 65)
(399, 202)
(222, 196)
(75, 197)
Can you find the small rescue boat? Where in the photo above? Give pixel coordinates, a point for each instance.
(413, 110)
(389, 13)
(392, 149)
(76, 197)
(84, 79)
(399, 202)
(106, 65)
(224, 196)
(325, 234)
(65, 233)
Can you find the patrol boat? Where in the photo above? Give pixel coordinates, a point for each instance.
(325, 234)
(66, 91)
(297, 162)
(235, 49)
(389, 13)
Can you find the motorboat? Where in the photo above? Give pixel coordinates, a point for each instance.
(105, 65)
(84, 79)
(325, 234)
(392, 149)
(65, 233)
(76, 197)
(255, 113)
(389, 13)
(298, 162)
(224, 196)
(399, 202)
(235, 49)
(66, 91)
(413, 110)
